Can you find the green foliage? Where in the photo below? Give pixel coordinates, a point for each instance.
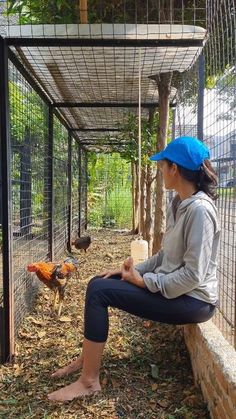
(109, 191)
(26, 111)
(130, 137)
(44, 11)
(108, 11)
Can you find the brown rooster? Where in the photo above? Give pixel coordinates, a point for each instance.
(55, 276)
(82, 242)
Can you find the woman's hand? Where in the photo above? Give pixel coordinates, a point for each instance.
(129, 274)
(107, 274)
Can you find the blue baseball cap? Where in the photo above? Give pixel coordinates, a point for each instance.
(188, 152)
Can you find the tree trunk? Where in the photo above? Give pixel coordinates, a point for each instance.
(148, 228)
(164, 87)
(136, 199)
(142, 201)
(133, 196)
(147, 235)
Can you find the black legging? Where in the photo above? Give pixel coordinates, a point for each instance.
(102, 293)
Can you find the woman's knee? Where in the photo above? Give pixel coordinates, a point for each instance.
(95, 284)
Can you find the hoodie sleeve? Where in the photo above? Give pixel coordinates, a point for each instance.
(198, 236)
(150, 264)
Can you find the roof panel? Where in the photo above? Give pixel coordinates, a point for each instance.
(104, 73)
(107, 31)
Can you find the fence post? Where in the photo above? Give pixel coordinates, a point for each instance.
(51, 182)
(201, 85)
(69, 191)
(7, 315)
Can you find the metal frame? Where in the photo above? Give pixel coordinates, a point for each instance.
(69, 191)
(107, 105)
(7, 344)
(96, 129)
(101, 42)
(201, 85)
(107, 143)
(51, 176)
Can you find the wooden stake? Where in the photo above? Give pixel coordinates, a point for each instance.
(83, 8)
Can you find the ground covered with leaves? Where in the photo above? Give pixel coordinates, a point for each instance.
(146, 372)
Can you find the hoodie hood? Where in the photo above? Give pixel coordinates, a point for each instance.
(198, 199)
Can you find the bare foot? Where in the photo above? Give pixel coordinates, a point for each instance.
(68, 369)
(74, 390)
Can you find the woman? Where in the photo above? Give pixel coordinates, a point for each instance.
(178, 285)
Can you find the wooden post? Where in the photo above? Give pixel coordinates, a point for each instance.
(83, 9)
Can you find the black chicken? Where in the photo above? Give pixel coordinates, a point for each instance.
(82, 242)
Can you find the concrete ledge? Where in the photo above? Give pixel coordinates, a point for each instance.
(214, 368)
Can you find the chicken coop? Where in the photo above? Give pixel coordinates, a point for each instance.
(67, 85)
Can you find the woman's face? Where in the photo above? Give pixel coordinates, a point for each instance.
(169, 173)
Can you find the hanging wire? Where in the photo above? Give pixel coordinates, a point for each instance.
(139, 141)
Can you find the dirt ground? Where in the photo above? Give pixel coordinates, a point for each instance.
(146, 372)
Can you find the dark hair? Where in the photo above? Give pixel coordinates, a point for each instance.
(205, 178)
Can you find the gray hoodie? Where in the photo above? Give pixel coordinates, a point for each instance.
(187, 262)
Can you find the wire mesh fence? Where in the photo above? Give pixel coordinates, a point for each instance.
(29, 150)
(75, 189)
(83, 161)
(39, 193)
(109, 191)
(220, 135)
(60, 185)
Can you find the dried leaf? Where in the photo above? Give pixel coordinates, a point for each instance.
(41, 334)
(25, 335)
(104, 381)
(18, 370)
(65, 319)
(37, 322)
(164, 403)
(115, 383)
(154, 387)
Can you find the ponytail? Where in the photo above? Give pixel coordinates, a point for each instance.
(205, 178)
